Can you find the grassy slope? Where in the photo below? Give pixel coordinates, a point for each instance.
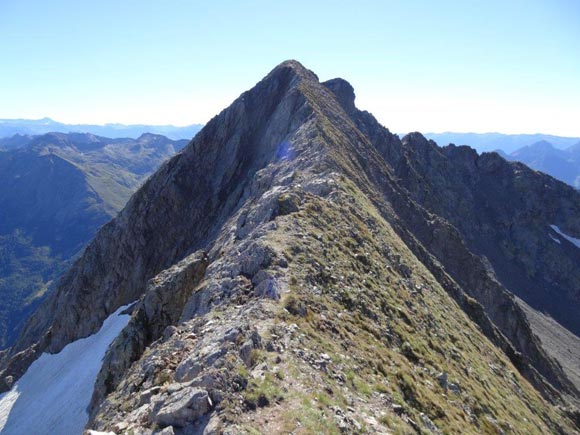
(359, 296)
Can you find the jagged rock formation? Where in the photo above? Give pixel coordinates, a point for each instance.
(507, 143)
(298, 268)
(553, 155)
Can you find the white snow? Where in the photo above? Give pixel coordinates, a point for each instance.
(554, 239)
(575, 242)
(53, 395)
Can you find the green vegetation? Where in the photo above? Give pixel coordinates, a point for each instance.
(260, 393)
(27, 273)
(388, 334)
(54, 196)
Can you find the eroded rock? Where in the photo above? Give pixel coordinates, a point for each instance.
(182, 407)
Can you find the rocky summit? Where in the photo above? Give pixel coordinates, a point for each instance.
(297, 268)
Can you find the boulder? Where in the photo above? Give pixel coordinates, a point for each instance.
(183, 407)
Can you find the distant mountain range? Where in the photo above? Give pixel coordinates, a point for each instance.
(563, 164)
(56, 191)
(11, 127)
(508, 143)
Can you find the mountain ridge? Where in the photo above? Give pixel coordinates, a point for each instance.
(313, 237)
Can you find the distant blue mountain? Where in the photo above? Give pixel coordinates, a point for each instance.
(563, 164)
(508, 143)
(28, 127)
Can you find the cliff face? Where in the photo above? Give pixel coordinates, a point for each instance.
(504, 212)
(297, 268)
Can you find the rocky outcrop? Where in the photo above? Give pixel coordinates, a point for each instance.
(185, 405)
(154, 316)
(291, 259)
(141, 241)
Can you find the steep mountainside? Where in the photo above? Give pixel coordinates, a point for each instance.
(536, 151)
(298, 268)
(55, 193)
(505, 213)
(16, 141)
(32, 127)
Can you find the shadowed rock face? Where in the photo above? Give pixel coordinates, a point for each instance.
(295, 231)
(501, 212)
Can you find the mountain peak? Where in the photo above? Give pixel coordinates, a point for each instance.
(289, 71)
(294, 66)
(542, 145)
(414, 137)
(344, 93)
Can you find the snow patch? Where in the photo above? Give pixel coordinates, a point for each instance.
(554, 239)
(53, 395)
(574, 241)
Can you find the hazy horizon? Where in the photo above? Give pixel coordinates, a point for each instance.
(57, 121)
(417, 66)
(184, 126)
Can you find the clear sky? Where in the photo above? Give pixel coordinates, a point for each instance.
(511, 66)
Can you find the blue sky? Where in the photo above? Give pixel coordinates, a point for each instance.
(507, 66)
